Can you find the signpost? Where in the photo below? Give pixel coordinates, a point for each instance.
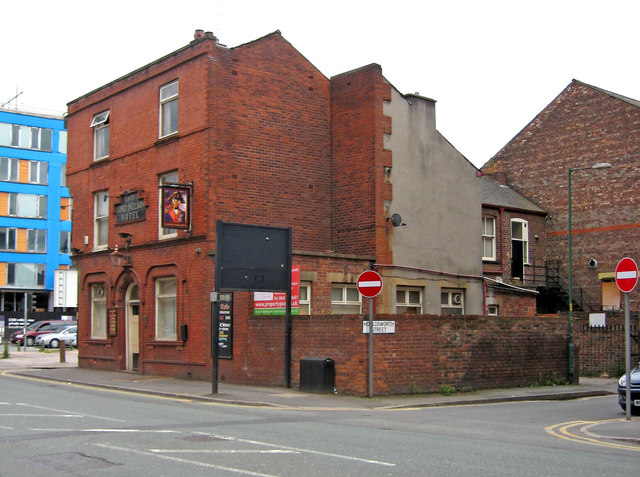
(369, 285)
(627, 279)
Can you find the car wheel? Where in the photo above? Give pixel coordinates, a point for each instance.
(54, 343)
(30, 340)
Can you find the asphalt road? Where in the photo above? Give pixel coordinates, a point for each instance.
(49, 428)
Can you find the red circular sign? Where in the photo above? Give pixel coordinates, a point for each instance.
(626, 274)
(369, 283)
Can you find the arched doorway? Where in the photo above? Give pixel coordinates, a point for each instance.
(133, 327)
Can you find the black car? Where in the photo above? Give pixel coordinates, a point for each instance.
(635, 391)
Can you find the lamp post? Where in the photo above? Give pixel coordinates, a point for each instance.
(599, 165)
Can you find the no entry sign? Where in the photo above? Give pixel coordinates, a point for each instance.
(369, 284)
(626, 274)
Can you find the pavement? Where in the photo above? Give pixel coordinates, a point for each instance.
(47, 365)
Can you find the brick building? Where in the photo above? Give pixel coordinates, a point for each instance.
(583, 126)
(513, 239)
(255, 134)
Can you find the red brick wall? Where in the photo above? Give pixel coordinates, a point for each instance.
(358, 159)
(602, 349)
(425, 353)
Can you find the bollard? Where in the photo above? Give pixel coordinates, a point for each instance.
(63, 345)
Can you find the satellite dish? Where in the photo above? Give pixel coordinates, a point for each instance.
(396, 220)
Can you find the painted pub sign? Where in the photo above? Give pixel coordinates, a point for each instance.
(176, 206)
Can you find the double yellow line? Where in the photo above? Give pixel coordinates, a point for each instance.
(567, 431)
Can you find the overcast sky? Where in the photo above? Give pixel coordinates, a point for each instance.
(490, 65)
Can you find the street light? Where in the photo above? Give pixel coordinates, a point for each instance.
(599, 165)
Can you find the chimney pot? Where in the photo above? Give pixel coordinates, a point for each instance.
(199, 34)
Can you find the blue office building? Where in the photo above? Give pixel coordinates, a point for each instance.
(35, 208)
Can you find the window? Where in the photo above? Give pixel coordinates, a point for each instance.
(492, 310)
(26, 137)
(25, 274)
(36, 240)
(488, 238)
(451, 302)
(169, 109)
(62, 142)
(520, 233)
(7, 238)
(345, 299)
(409, 300)
(304, 300)
(63, 175)
(9, 169)
(170, 178)
(100, 125)
(65, 242)
(28, 205)
(166, 316)
(38, 172)
(98, 311)
(101, 220)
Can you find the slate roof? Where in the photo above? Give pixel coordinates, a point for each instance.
(496, 194)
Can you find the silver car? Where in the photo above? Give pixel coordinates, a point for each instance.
(68, 335)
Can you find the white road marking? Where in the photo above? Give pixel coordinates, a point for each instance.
(220, 451)
(297, 449)
(185, 461)
(69, 412)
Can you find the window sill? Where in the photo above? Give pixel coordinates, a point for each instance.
(167, 139)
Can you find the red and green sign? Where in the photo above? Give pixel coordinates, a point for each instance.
(275, 303)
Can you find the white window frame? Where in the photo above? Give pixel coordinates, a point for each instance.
(98, 311)
(100, 222)
(524, 227)
(38, 172)
(17, 272)
(36, 241)
(12, 167)
(344, 305)
(18, 205)
(163, 233)
(453, 301)
(170, 332)
(65, 242)
(489, 236)
(304, 305)
(493, 310)
(168, 96)
(100, 125)
(31, 137)
(10, 239)
(405, 300)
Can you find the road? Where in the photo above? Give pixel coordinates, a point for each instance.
(65, 429)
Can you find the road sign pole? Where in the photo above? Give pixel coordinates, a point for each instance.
(370, 347)
(627, 344)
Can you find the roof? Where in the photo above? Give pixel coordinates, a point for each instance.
(496, 194)
(631, 101)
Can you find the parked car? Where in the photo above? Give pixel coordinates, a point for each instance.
(635, 391)
(39, 328)
(68, 335)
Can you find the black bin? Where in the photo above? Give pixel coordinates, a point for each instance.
(317, 375)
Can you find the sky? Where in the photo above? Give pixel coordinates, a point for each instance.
(491, 65)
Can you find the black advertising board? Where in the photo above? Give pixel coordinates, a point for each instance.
(225, 322)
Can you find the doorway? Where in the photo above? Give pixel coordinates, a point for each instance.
(133, 327)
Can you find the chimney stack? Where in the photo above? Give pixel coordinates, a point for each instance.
(198, 35)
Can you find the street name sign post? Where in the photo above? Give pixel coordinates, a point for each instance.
(626, 280)
(369, 285)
